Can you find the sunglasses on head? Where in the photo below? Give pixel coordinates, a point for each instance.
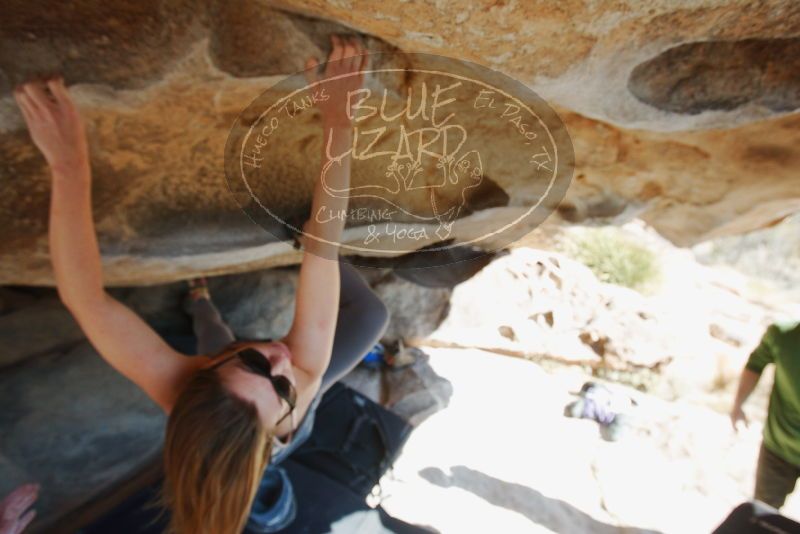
(256, 363)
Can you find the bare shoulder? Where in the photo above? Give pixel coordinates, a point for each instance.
(307, 388)
(307, 382)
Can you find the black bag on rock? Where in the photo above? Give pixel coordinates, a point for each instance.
(355, 441)
(326, 506)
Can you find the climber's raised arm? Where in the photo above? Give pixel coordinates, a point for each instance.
(317, 302)
(343, 76)
(118, 334)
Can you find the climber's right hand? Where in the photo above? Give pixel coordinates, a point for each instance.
(343, 75)
(55, 125)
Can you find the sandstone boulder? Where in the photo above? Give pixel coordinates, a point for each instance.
(682, 115)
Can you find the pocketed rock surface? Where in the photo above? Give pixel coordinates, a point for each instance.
(682, 115)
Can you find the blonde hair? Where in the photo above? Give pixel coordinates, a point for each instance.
(215, 452)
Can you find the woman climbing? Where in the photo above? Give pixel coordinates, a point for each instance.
(238, 406)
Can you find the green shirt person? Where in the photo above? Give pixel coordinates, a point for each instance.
(779, 459)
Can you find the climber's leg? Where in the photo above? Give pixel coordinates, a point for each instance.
(212, 333)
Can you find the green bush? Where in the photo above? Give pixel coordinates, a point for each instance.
(616, 259)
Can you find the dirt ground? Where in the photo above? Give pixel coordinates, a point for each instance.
(503, 458)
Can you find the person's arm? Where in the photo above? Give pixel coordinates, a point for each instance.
(15, 512)
(119, 335)
(747, 383)
(310, 338)
(748, 380)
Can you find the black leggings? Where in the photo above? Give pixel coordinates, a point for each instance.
(361, 322)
